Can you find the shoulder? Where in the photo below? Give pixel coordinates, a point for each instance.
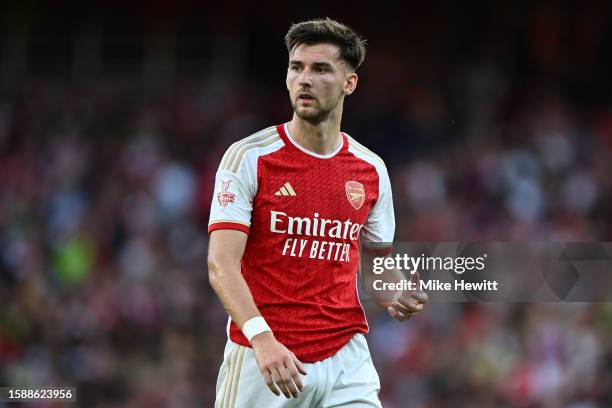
(365, 154)
(247, 150)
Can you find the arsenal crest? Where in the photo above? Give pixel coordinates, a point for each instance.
(355, 193)
(225, 197)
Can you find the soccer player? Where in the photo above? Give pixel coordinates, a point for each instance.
(291, 204)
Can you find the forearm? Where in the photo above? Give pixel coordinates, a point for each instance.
(369, 277)
(233, 291)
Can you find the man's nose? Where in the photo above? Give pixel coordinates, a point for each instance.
(304, 78)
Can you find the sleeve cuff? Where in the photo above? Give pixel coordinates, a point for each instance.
(228, 225)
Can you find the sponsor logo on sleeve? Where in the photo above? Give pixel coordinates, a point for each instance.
(225, 197)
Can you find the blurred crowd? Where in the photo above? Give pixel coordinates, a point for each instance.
(105, 188)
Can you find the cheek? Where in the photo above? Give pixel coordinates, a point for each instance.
(335, 89)
(332, 86)
(290, 82)
(291, 76)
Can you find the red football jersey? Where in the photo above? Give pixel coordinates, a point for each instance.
(304, 213)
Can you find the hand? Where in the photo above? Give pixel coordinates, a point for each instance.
(278, 365)
(409, 303)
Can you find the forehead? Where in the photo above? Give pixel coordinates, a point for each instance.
(316, 53)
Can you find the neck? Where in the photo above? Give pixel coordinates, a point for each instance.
(321, 138)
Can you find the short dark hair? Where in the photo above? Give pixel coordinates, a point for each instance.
(352, 45)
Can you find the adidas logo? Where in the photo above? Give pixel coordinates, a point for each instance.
(286, 190)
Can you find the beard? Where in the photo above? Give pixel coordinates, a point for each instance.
(313, 115)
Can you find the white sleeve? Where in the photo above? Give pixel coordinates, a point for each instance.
(379, 227)
(232, 200)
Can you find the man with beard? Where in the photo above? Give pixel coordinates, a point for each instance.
(291, 204)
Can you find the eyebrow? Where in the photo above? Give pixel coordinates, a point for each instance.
(317, 64)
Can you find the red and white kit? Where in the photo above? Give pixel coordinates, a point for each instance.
(304, 214)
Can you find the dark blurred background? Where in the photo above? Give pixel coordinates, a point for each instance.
(494, 118)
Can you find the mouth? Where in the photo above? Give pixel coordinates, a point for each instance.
(305, 97)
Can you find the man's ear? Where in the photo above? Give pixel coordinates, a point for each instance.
(350, 83)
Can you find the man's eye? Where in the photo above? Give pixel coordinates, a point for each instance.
(294, 68)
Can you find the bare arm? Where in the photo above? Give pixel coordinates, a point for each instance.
(277, 363)
(224, 254)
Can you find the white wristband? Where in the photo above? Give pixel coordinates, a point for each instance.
(255, 326)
